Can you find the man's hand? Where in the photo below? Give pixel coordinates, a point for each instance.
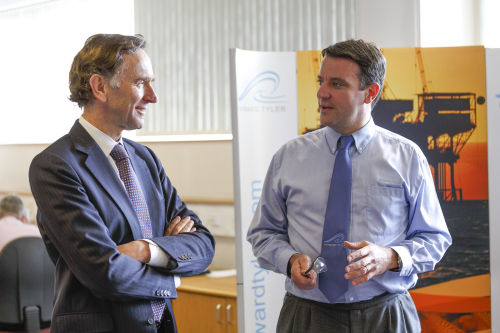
(139, 250)
(177, 226)
(300, 263)
(374, 260)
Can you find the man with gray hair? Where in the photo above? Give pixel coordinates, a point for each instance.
(14, 220)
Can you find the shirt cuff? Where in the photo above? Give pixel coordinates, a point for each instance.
(160, 259)
(284, 258)
(406, 260)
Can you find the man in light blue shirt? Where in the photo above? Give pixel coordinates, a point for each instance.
(396, 226)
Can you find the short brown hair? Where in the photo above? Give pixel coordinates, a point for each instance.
(102, 54)
(369, 58)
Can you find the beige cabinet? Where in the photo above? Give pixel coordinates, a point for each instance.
(206, 305)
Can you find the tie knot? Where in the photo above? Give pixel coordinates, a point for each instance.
(118, 153)
(346, 142)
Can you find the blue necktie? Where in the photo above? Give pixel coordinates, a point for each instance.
(336, 229)
(133, 187)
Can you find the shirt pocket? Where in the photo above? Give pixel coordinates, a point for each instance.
(385, 214)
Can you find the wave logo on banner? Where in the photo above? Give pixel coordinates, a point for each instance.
(263, 86)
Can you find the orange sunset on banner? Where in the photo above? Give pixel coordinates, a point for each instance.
(452, 82)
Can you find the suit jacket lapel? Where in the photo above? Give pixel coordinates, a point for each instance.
(98, 164)
(143, 174)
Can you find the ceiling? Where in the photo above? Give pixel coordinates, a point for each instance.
(12, 4)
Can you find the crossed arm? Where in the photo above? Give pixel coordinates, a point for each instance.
(72, 214)
(139, 250)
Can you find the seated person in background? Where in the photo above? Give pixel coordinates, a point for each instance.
(14, 222)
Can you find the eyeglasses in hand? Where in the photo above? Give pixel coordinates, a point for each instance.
(319, 266)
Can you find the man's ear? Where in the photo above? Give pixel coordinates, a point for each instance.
(371, 92)
(24, 219)
(99, 87)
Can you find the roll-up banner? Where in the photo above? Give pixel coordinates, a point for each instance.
(264, 110)
(493, 105)
(436, 97)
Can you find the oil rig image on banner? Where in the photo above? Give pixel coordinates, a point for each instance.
(440, 127)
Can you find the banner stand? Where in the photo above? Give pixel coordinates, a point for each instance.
(264, 117)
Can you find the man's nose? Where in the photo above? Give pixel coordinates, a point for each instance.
(323, 92)
(150, 94)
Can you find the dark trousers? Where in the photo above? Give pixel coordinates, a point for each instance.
(387, 313)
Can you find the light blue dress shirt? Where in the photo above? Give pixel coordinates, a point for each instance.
(393, 204)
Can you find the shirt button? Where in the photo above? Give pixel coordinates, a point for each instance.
(168, 293)
(151, 321)
(351, 299)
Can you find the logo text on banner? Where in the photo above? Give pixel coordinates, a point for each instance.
(259, 290)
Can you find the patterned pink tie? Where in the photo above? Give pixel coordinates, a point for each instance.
(128, 177)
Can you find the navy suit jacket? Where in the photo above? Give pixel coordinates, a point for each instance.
(84, 213)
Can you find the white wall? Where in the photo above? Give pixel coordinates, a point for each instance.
(389, 23)
(459, 23)
(201, 171)
(38, 46)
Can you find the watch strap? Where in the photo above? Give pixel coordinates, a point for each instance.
(400, 264)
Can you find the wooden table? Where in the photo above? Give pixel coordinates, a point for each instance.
(206, 304)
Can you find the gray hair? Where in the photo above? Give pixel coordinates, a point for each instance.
(12, 204)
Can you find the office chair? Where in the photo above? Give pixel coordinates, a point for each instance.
(26, 286)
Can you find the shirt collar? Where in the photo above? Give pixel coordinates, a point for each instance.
(361, 137)
(105, 142)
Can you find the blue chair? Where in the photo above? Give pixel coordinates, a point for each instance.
(26, 286)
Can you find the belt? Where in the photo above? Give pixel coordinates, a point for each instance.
(351, 306)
